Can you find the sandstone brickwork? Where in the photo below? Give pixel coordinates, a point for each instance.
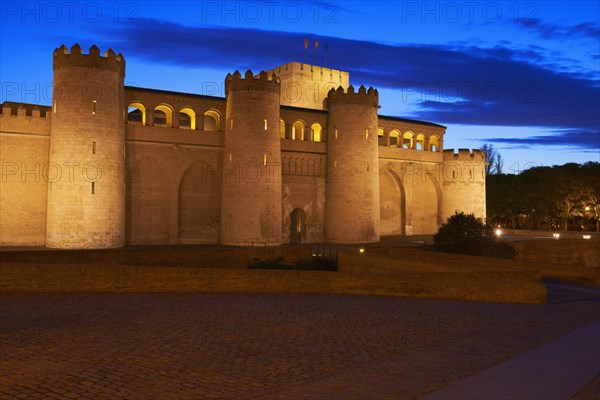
(251, 172)
(86, 206)
(295, 154)
(352, 202)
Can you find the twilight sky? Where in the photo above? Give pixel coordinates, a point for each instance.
(521, 75)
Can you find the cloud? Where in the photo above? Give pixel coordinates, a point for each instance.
(548, 30)
(573, 138)
(450, 84)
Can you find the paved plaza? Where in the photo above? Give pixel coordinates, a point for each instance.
(136, 346)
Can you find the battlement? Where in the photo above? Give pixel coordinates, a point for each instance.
(464, 155)
(25, 118)
(368, 97)
(312, 73)
(262, 81)
(75, 58)
(9, 108)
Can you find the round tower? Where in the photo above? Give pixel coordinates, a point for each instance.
(251, 173)
(463, 183)
(352, 193)
(86, 192)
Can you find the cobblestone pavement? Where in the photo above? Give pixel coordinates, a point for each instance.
(135, 346)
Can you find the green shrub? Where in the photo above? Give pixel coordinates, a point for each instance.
(466, 234)
(276, 263)
(313, 264)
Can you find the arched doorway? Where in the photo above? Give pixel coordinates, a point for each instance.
(392, 203)
(298, 226)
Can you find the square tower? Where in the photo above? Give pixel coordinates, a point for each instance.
(306, 86)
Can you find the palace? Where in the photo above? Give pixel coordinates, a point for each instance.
(293, 154)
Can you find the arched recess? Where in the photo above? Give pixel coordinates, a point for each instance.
(199, 204)
(408, 140)
(316, 132)
(146, 200)
(298, 226)
(394, 138)
(136, 114)
(282, 129)
(420, 142)
(392, 204)
(434, 143)
(380, 137)
(187, 118)
(426, 204)
(298, 129)
(163, 115)
(212, 121)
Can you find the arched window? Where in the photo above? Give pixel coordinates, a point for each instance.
(407, 140)
(212, 121)
(187, 118)
(394, 137)
(434, 143)
(380, 137)
(136, 114)
(282, 129)
(163, 116)
(316, 132)
(420, 143)
(298, 130)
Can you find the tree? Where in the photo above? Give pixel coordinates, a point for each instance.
(504, 196)
(591, 207)
(494, 161)
(546, 197)
(499, 164)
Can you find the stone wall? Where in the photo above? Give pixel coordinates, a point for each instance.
(173, 192)
(564, 251)
(24, 149)
(162, 207)
(415, 259)
(463, 183)
(168, 186)
(411, 197)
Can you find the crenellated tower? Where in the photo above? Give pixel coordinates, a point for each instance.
(463, 183)
(86, 196)
(251, 173)
(352, 193)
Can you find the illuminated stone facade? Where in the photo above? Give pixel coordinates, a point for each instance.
(294, 154)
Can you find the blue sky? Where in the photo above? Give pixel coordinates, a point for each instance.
(521, 75)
